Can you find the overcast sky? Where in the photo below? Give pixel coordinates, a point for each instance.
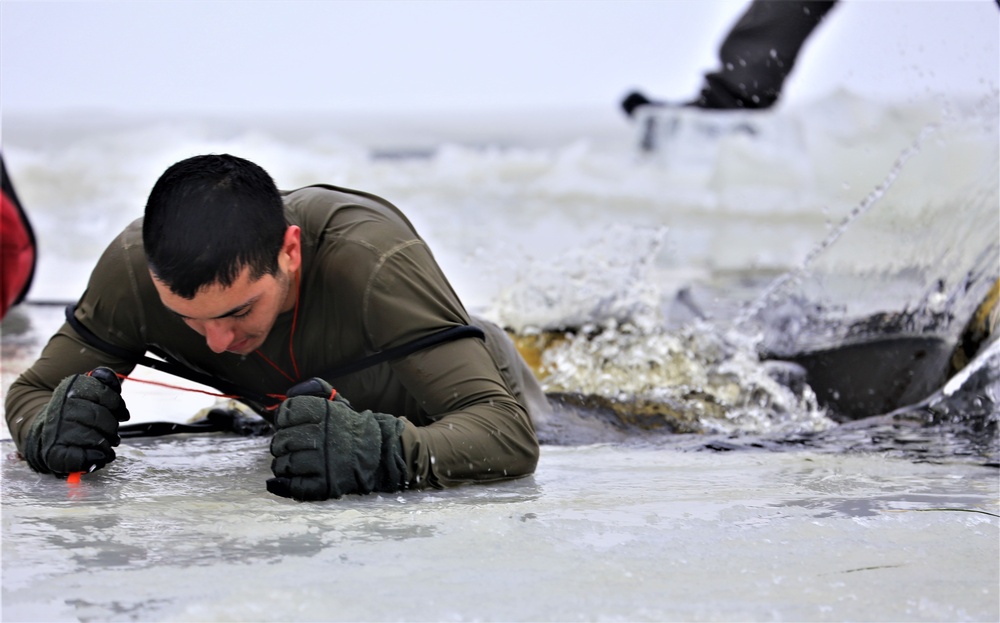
(287, 55)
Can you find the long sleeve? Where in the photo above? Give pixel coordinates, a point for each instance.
(464, 420)
(481, 432)
(474, 428)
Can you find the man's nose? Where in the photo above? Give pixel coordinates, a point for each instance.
(218, 335)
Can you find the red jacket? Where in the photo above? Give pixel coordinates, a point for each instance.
(17, 247)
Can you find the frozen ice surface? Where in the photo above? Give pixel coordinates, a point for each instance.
(182, 529)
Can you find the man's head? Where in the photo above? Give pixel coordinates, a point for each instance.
(208, 218)
(219, 249)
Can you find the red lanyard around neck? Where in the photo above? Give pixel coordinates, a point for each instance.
(291, 339)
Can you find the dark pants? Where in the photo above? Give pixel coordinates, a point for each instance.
(759, 53)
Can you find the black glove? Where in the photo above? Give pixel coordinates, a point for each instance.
(323, 448)
(77, 430)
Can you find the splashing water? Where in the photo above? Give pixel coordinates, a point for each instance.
(607, 279)
(613, 353)
(787, 280)
(695, 380)
(616, 356)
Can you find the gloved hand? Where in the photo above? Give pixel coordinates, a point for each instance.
(323, 448)
(77, 430)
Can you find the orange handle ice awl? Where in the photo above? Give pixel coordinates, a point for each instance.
(73, 478)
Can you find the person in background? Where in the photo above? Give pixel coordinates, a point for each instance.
(271, 290)
(17, 246)
(755, 58)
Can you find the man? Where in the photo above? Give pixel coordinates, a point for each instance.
(270, 290)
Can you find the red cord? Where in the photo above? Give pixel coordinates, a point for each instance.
(291, 339)
(192, 389)
(295, 318)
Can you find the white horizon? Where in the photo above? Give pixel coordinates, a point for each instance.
(385, 57)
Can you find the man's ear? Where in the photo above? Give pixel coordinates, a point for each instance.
(290, 256)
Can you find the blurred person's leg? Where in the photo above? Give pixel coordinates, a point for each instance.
(756, 56)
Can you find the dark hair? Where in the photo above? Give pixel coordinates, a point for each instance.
(209, 217)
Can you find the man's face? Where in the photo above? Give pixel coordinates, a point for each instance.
(235, 319)
(239, 317)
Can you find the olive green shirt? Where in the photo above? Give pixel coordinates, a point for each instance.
(368, 283)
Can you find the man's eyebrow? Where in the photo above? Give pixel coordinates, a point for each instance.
(231, 312)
